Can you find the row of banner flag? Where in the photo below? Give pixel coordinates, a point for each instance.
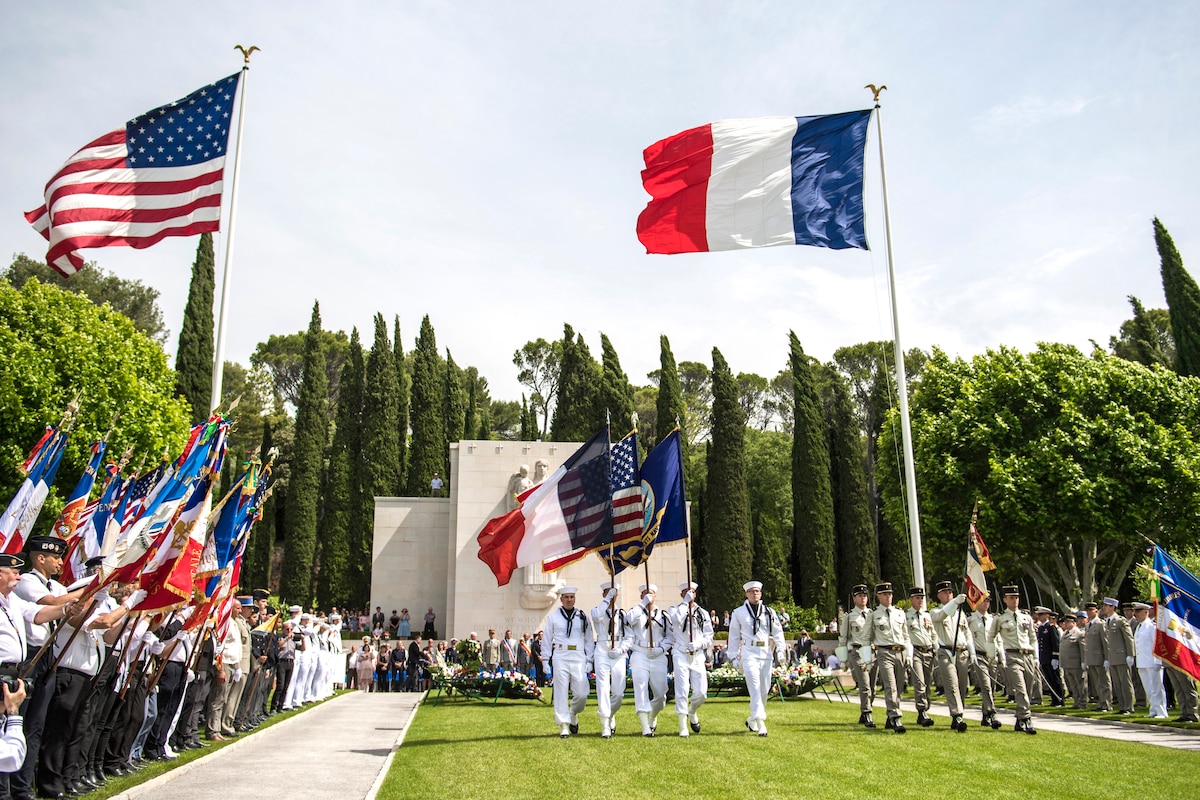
(165, 531)
(602, 501)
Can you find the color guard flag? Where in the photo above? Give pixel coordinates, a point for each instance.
(979, 560)
(158, 175)
(664, 504)
(1178, 639)
(757, 183)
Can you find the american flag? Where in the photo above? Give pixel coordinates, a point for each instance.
(626, 490)
(585, 495)
(160, 175)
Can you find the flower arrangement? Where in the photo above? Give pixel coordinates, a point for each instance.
(801, 677)
(482, 683)
(470, 653)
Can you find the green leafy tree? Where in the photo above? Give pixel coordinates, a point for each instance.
(58, 345)
(133, 299)
(454, 404)
(616, 395)
(695, 382)
(754, 391)
(427, 454)
(539, 364)
(1183, 302)
(282, 356)
(404, 387)
(769, 483)
(380, 414)
(256, 566)
(576, 417)
(342, 569)
(307, 469)
(857, 554)
(670, 406)
(1072, 459)
(528, 422)
(814, 580)
(729, 548)
(194, 356)
(1146, 337)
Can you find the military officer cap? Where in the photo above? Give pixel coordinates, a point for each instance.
(1063, 618)
(943, 586)
(1126, 606)
(1011, 590)
(366, 640)
(260, 594)
(92, 563)
(1140, 606)
(246, 601)
(567, 590)
(1112, 601)
(1080, 615)
(916, 591)
(46, 544)
(604, 587)
(859, 589)
(751, 585)
(683, 587)
(1041, 610)
(886, 586)
(1090, 606)
(9, 560)
(648, 587)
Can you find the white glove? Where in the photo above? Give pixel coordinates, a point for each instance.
(1107, 665)
(962, 598)
(191, 676)
(609, 594)
(841, 653)
(908, 651)
(657, 651)
(237, 674)
(1129, 661)
(647, 600)
(737, 663)
(689, 597)
(865, 654)
(1054, 663)
(616, 652)
(135, 597)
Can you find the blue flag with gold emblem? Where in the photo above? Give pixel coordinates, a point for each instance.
(664, 503)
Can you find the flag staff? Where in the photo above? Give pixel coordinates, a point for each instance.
(910, 477)
(219, 350)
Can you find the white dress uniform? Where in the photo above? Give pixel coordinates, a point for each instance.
(610, 658)
(568, 640)
(1149, 667)
(302, 665)
(649, 641)
(32, 587)
(754, 636)
(692, 633)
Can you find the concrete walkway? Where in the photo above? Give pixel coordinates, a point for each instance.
(1102, 729)
(340, 748)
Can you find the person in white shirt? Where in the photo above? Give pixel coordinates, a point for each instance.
(755, 636)
(609, 656)
(570, 645)
(692, 634)
(12, 740)
(649, 640)
(1149, 667)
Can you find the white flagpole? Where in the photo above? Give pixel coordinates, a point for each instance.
(219, 349)
(910, 476)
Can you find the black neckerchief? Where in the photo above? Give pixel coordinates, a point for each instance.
(755, 612)
(613, 616)
(569, 616)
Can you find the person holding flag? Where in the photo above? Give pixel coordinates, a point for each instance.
(649, 641)
(955, 650)
(692, 633)
(755, 637)
(609, 656)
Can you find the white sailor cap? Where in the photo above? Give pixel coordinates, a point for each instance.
(751, 585)
(306, 615)
(683, 587)
(293, 609)
(567, 590)
(648, 587)
(604, 587)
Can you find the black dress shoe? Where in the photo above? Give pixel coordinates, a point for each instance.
(924, 720)
(573, 728)
(868, 720)
(695, 726)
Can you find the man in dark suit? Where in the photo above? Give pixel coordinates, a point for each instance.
(1048, 637)
(414, 664)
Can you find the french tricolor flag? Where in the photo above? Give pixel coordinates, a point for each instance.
(757, 183)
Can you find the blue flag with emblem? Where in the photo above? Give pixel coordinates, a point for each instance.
(664, 506)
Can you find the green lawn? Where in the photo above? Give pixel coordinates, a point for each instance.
(512, 750)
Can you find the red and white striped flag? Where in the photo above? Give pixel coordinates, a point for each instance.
(159, 175)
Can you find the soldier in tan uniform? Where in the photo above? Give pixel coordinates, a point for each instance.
(893, 651)
(1095, 658)
(955, 650)
(1015, 629)
(1119, 638)
(1070, 653)
(854, 648)
(989, 657)
(923, 638)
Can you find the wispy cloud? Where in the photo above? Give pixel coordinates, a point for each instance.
(1027, 112)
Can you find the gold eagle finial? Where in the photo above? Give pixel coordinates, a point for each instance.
(875, 90)
(246, 52)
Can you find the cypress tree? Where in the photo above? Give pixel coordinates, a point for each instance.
(336, 583)
(471, 412)
(857, 555)
(1183, 303)
(813, 577)
(427, 454)
(616, 395)
(670, 407)
(729, 551)
(307, 468)
(194, 357)
(256, 566)
(454, 403)
(404, 383)
(381, 416)
(528, 426)
(576, 401)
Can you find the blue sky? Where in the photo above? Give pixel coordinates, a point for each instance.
(479, 162)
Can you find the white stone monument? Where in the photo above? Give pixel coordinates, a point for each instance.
(425, 551)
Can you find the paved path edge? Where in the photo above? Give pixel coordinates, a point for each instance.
(178, 772)
(387, 762)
